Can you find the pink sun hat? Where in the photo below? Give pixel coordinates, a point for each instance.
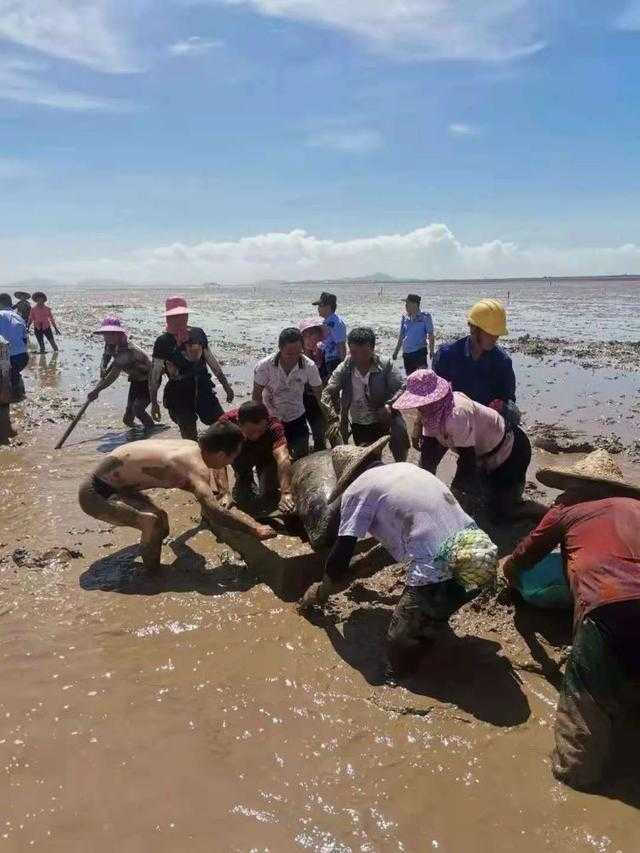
(110, 324)
(175, 305)
(310, 323)
(422, 388)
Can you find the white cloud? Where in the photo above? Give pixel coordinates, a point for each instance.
(460, 129)
(424, 29)
(348, 140)
(429, 252)
(26, 82)
(630, 17)
(83, 31)
(193, 46)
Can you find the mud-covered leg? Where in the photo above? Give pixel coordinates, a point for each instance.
(135, 510)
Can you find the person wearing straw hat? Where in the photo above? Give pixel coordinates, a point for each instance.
(420, 523)
(134, 363)
(183, 353)
(596, 523)
(43, 321)
(502, 451)
(23, 306)
(416, 330)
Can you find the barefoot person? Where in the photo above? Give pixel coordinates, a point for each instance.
(596, 522)
(183, 353)
(114, 492)
(419, 522)
(132, 361)
(43, 322)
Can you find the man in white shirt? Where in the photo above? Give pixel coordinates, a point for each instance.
(420, 523)
(279, 381)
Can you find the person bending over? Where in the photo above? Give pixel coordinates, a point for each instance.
(419, 522)
(264, 456)
(114, 492)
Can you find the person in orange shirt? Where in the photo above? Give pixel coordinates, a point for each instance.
(42, 320)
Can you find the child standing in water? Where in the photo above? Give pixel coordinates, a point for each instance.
(42, 320)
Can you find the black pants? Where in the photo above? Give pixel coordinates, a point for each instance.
(316, 421)
(364, 434)
(506, 484)
(399, 444)
(189, 398)
(41, 334)
(415, 360)
(18, 364)
(297, 434)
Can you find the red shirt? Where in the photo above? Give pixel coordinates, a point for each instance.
(258, 452)
(600, 542)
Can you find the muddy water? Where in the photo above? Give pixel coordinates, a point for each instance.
(197, 711)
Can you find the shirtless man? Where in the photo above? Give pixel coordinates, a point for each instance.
(128, 359)
(113, 493)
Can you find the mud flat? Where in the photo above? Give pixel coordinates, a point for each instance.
(197, 710)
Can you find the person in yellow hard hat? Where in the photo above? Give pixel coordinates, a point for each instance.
(479, 368)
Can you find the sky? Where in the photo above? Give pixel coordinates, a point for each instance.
(185, 141)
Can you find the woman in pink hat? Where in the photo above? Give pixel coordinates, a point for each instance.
(130, 360)
(182, 352)
(502, 450)
(312, 335)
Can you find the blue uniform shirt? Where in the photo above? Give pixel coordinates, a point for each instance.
(489, 378)
(414, 331)
(13, 330)
(336, 334)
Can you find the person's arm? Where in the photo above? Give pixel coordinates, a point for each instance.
(104, 364)
(53, 322)
(336, 573)
(342, 350)
(224, 491)
(430, 335)
(233, 519)
(283, 461)
(540, 542)
(330, 403)
(213, 363)
(109, 379)
(256, 394)
(396, 351)
(155, 378)
(508, 390)
(440, 364)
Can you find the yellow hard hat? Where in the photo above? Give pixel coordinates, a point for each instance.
(490, 316)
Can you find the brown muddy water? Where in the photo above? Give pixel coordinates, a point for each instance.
(197, 711)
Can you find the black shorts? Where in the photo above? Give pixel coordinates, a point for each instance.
(138, 392)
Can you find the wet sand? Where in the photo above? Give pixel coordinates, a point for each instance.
(197, 711)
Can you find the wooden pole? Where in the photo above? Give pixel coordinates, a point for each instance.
(72, 425)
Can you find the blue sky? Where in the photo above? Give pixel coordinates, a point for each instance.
(244, 139)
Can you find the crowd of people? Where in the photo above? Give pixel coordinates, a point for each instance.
(325, 385)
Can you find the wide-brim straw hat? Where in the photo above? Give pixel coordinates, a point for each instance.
(39, 295)
(422, 388)
(349, 460)
(22, 294)
(597, 468)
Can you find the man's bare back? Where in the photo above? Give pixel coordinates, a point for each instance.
(154, 464)
(114, 491)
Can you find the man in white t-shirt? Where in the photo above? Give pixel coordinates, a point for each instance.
(279, 381)
(420, 523)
